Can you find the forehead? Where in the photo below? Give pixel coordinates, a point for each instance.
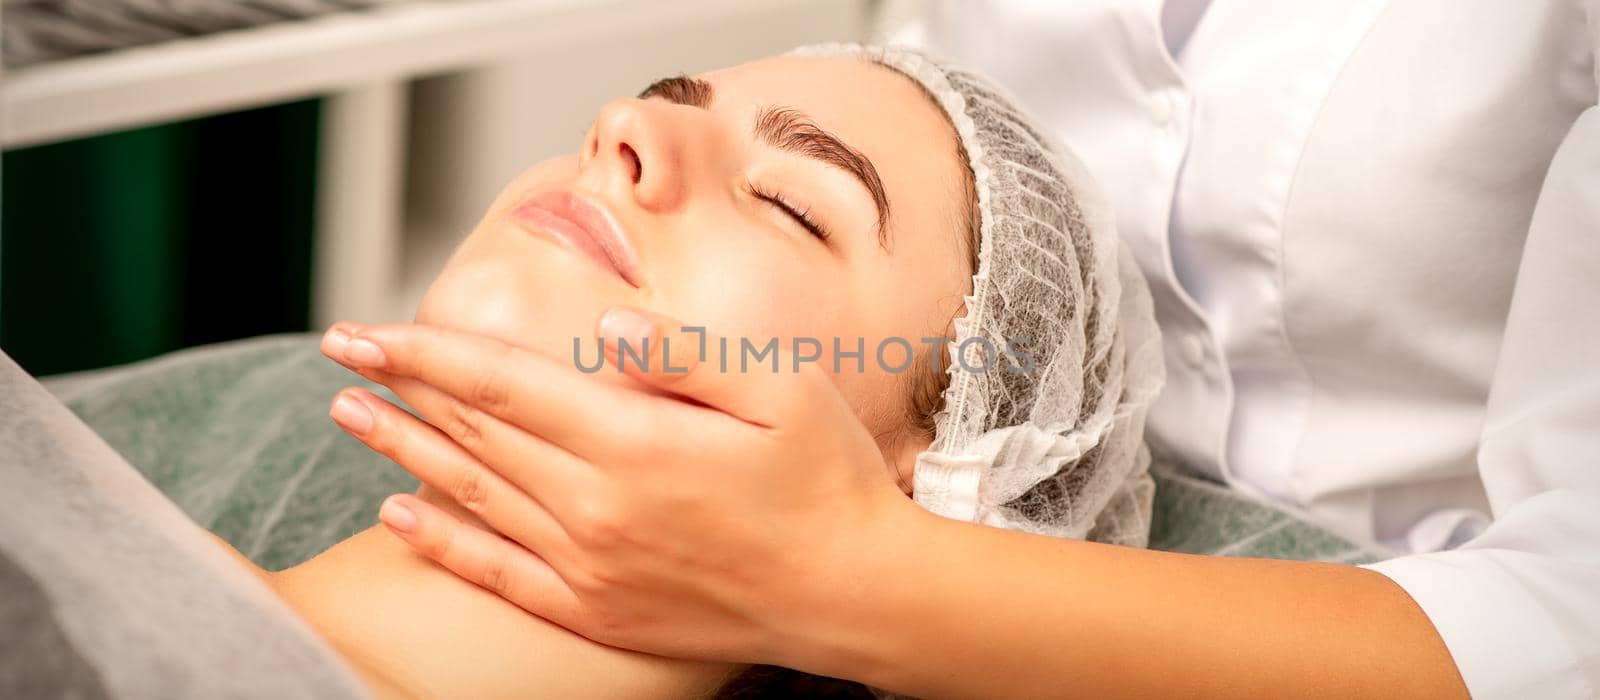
(873, 109)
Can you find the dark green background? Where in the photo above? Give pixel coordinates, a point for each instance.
(127, 245)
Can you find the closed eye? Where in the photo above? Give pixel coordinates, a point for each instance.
(801, 215)
(788, 130)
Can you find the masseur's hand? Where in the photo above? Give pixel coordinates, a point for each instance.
(697, 525)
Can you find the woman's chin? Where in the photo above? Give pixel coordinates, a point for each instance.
(493, 301)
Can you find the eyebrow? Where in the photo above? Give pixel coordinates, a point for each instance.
(789, 130)
(681, 89)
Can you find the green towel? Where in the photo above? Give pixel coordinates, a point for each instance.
(1202, 517)
(238, 435)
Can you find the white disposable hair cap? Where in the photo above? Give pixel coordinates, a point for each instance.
(1057, 449)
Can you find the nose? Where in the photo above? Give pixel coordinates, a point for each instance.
(634, 149)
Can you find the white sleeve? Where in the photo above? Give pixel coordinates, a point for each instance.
(1519, 606)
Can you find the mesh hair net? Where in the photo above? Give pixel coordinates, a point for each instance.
(1057, 449)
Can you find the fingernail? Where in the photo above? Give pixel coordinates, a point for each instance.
(336, 340)
(619, 322)
(397, 516)
(351, 414)
(365, 353)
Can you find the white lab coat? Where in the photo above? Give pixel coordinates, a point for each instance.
(1372, 232)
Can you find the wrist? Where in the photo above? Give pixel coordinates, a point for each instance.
(855, 613)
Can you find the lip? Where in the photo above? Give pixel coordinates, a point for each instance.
(584, 226)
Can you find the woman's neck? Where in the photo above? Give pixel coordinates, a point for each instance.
(412, 629)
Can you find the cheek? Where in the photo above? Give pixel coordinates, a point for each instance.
(508, 304)
(769, 295)
(486, 299)
(761, 294)
(493, 286)
(523, 296)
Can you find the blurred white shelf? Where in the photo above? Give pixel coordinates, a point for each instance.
(290, 60)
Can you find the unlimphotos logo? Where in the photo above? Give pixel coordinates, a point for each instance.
(744, 354)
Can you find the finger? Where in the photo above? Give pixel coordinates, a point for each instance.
(539, 395)
(756, 381)
(484, 558)
(336, 338)
(545, 471)
(444, 465)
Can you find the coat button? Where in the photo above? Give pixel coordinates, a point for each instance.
(1161, 110)
(1168, 110)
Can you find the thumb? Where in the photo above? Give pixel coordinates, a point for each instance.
(756, 381)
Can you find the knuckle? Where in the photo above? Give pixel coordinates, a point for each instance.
(597, 526)
(608, 578)
(465, 425)
(583, 583)
(594, 582)
(489, 390)
(438, 548)
(601, 624)
(470, 491)
(496, 578)
(610, 625)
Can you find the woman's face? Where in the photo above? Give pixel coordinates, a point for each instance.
(688, 175)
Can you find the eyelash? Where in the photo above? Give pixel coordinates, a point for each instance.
(801, 216)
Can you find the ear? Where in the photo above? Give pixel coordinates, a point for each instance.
(902, 459)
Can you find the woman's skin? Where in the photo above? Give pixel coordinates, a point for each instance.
(410, 629)
(675, 171)
(881, 591)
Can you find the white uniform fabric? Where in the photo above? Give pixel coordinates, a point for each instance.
(1372, 234)
(1054, 445)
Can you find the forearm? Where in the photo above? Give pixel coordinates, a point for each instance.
(991, 613)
